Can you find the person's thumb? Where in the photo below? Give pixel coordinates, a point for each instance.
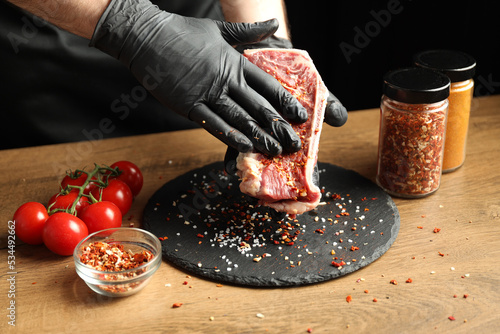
(245, 33)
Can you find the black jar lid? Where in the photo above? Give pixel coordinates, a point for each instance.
(416, 85)
(457, 65)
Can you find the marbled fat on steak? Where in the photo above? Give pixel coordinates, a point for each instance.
(285, 182)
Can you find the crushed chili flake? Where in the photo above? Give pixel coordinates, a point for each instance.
(411, 147)
(104, 256)
(393, 282)
(338, 264)
(436, 230)
(112, 257)
(409, 280)
(348, 298)
(176, 305)
(451, 318)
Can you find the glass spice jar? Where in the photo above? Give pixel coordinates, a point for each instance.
(413, 114)
(460, 68)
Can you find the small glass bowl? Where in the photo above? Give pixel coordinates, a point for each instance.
(126, 282)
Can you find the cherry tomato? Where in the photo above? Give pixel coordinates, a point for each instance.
(101, 215)
(66, 201)
(71, 179)
(131, 175)
(62, 232)
(30, 219)
(117, 192)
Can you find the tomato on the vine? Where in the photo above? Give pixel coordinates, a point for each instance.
(74, 179)
(58, 201)
(117, 192)
(29, 221)
(101, 215)
(130, 174)
(62, 232)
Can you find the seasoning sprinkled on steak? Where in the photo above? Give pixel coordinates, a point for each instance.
(285, 182)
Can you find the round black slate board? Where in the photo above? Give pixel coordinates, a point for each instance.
(209, 228)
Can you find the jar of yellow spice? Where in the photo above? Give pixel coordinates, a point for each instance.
(460, 68)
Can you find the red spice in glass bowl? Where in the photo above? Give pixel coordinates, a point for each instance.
(118, 262)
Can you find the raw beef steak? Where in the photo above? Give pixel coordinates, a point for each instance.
(285, 182)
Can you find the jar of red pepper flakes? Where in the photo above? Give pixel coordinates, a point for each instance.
(413, 115)
(460, 68)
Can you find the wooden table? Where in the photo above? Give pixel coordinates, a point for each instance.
(455, 272)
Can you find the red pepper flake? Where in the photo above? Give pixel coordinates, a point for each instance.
(411, 151)
(338, 264)
(409, 280)
(176, 305)
(441, 254)
(436, 230)
(451, 318)
(466, 295)
(320, 231)
(309, 330)
(112, 257)
(366, 291)
(393, 282)
(185, 283)
(199, 235)
(107, 257)
(354, 248)
(348, 298)
(420, 227)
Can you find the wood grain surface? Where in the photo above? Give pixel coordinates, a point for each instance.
(455, 273)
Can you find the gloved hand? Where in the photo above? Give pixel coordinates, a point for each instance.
(335, 112)
(190, 66)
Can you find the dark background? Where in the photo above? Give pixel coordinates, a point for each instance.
(321, 28)
(55, 88)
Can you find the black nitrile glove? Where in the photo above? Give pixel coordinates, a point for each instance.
(190, 66)
(335, 112)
